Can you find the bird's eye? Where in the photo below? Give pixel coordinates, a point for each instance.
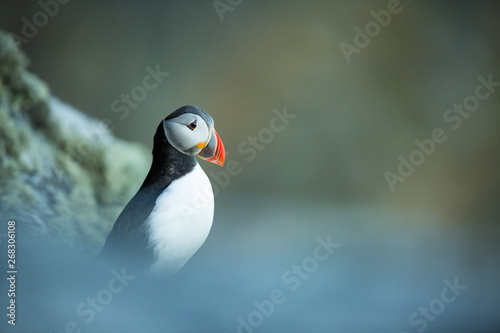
(192, 126)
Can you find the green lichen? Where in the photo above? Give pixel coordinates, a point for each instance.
(54, 179)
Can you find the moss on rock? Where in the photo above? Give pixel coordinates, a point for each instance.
(63, 175)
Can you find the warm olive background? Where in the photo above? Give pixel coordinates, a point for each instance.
(324, 173)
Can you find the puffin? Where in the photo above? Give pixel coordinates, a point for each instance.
(170, 216)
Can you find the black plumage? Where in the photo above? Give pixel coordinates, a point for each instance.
(127, 242)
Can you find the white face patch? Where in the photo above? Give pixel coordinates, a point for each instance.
(185, 132)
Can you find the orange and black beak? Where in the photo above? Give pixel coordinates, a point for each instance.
(214, 150)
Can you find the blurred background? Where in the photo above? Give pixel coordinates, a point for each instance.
(340, 163)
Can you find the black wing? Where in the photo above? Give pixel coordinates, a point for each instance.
(127, 242)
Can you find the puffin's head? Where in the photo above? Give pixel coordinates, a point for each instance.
(191, 131)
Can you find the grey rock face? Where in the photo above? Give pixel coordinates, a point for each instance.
(63, 175)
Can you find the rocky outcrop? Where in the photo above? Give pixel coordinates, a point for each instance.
(63, 175)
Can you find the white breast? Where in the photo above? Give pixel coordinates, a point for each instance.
(180, 221)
